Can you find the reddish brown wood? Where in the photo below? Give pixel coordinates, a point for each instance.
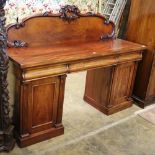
(143, 13)
(51, 29)
(38, 110)
(110, 89)
(57, 46)
(69, 52)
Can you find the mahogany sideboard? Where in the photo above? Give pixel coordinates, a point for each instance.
(44, 48)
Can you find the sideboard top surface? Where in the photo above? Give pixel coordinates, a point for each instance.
(38, 56)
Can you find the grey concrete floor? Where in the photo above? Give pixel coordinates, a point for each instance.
(89, 132)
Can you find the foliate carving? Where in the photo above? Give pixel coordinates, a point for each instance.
(69, 13)
(17, 44)
(6, 136)
(109, 35)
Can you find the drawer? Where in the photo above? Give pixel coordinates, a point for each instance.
(82, 65)
(91, 64)
(42, 72)
(103, 62)
(130, 57)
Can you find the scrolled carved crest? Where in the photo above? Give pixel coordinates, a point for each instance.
(17, 44)
(108, 35)
(69, 13)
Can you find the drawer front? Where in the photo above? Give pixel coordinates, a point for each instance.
(130, 57)
(105, 61)
(43, 72)
(91, 64)
(68, 67)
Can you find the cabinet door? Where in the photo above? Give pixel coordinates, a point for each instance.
(98, 84)
(122, 86)
(39, 104)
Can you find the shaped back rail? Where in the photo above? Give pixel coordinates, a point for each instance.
(68, 26)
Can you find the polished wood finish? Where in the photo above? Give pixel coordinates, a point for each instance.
(110, 89)
(51, 30)
(6, 129)
(143, 13)
(60, 54)
(56, 45)
(38, 110)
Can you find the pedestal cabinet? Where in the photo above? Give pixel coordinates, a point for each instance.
(109, 89)
(38, 109)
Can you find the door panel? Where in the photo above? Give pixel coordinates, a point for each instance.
(122, 83)
(98, 84)
(43, 101)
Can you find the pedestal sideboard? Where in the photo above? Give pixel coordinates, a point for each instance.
(44, 48)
